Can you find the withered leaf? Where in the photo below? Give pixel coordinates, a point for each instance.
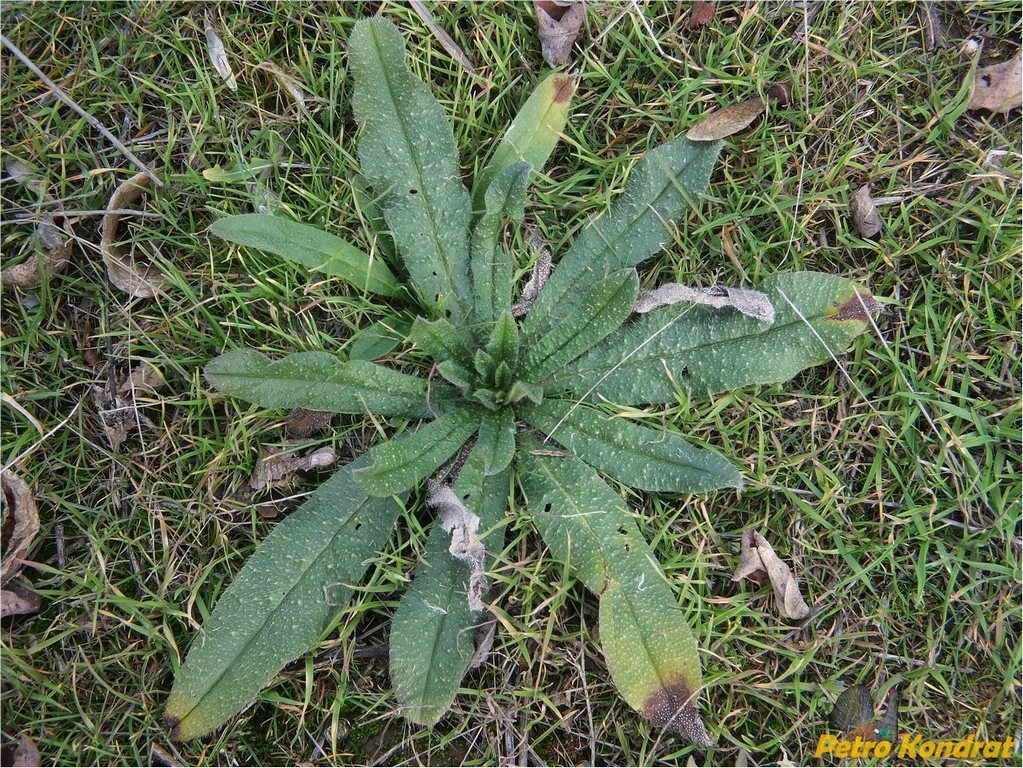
(853, 708)
(727, 121)
(999, 87)
(139, 283)
(24, 754)
(16, 599)
(56, 253)
(560, 23)
(274, 467)
(446, 41)
(288, 83)
(537, 277)
(218, 56)
(20, 523)
(865, 217)
(463, 525)
(303, 423)
(701, 14)
(750, 303)
(758, 561)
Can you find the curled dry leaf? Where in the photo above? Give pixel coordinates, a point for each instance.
(274, 468)
(56, 253)
(139, 283)
(24, 754)
(725, 122)
(864, 212)
(17, 599)
(999, 87)
(537, 278)
(759, 563)
(559, 27)
(750, 303)
(463, 526)
(304, 423)
(20, 523)
(218, 56)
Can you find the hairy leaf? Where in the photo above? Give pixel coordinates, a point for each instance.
(320, 381)
(408, 156)
(380, 338)
(496, 440)
(653, 460)
(600, 311)
(403, 461)
(492, 267)
(280, 603)
(695, 348)
(638, 225)
(651, 652)
(533, 133)
(432, 630)
(503, 345)
(311, 247)
(442, 341)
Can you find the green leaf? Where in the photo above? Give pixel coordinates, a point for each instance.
(408, 156)
(432, 630)
(403, 461)
(311, 247)
(322, 382)
(369, 205)
(492, 268)
(638, 225)
(496, 440)
(533, 133)
(299, 578)
(379, 339)
(503, 346)
(651, 652)
(442, 341)
(673, 349)
(601, 310)
(637, 456)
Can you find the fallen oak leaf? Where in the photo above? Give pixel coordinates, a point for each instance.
(122, 273)
(999, 87)
(759, 563)
(750, 303)
(727, 121)
(865, 217)
(559, 27)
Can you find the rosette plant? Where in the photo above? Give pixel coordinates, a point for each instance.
(508, 412)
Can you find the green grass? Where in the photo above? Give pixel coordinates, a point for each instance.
(890, 481)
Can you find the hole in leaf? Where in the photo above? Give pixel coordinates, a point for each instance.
(547, 507)
(413, 191)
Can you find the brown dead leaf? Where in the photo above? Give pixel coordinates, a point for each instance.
(725, 122)
(560, 23)
(303, 423)
(138, 282)
(758, 562)
(865, 217)
(17, 599)
(29, 274)
(24, 754)
(999, 87)
(20, 523)
(538, 277)
(701, 14)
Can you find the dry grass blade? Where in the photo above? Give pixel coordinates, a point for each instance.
(446, 41)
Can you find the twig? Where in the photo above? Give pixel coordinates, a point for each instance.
(71, 103)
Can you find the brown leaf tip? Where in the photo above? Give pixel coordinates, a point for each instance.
(861, 307)
(670, 708)
(564, 88)
(173, 726)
